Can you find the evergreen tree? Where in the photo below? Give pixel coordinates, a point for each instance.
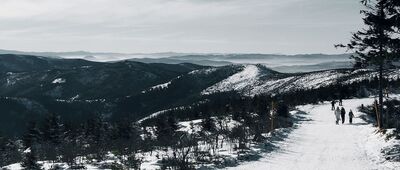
(3, 153)
(172, 123)
(148, 142)
(161, 127)
(52, 137)
(133, 161)
(29, 161)
(96, 133)
(8, 151)
(282, 110)
(53, 129)
(378, 44)
(71, 146)
(32, 136)
(208, 124)
(165, 129)
(238, 134)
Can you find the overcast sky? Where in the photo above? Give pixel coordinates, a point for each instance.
(203, 26)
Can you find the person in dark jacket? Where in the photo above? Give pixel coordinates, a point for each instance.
(351, 115)
(333, 104)
(340, 102)
(343, 113)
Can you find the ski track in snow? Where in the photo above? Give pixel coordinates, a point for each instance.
(321, 144)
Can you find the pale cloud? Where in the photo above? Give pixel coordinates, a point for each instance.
(264, 26)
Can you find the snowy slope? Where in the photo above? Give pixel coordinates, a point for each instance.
(239, 81)
(321, 144)
(252, 81)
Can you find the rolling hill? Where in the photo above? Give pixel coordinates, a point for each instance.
(32, 86)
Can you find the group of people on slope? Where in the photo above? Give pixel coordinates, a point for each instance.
(341, 113)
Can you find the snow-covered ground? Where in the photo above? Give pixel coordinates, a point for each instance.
(164, 85)
(59, 81)
(316, 143)
(161, 86)
(321, 144)
(203, 71)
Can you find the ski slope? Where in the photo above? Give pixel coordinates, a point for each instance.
(321, 144)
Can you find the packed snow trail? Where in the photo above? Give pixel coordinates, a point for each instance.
(323, 145)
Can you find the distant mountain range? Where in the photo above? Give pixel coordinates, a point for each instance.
(314, 67)
(279, 62)
(95, 56)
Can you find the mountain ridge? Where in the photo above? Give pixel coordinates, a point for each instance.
(134, 90)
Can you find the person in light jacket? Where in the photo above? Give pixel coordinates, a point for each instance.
(337, 114)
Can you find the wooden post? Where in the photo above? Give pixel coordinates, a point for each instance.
(378, 115)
